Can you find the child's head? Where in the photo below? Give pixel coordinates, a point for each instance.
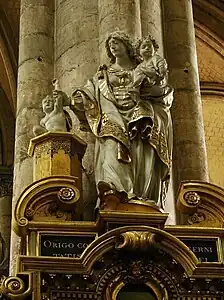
(147, 47)
(48, 104)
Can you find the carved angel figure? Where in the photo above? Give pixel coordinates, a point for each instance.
(55, 116)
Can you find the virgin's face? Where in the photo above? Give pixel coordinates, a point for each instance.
(146, 49)
(117, 48)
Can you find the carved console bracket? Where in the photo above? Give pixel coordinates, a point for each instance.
(137, 240)
(52, 199)
(203, 202)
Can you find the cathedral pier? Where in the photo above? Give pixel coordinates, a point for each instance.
(189, 155)
(76, 42)
(76, 60)
(35, 73)
(151, 20)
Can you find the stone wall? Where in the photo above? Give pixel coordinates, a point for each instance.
(211, 66)
(213, 110)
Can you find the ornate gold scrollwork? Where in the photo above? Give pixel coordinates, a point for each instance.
(192, 198)
(137, 272)
(14, 287)
(196, 218)
(136, 240)
(68, 196)
(203, 202)
(29, 213)
(23, 225)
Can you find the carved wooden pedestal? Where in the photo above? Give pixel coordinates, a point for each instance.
(56, 153)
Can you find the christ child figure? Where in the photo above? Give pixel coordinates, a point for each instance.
(153, 69)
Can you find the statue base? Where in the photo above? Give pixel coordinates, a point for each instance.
(115, 214)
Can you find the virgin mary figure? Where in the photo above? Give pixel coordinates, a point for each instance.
(132, 127)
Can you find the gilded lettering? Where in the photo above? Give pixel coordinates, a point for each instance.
(82, 245)
(64, 245)
(208, 249)
(47, 244)
(55, 245)
(71, 245)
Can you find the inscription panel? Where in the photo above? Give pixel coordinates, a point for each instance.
(206, 250)
(64, 245)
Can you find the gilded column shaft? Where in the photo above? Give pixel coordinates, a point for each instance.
(35, 73)
(189, 155)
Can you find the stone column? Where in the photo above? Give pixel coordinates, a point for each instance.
(189, 155)
(151, 20)
(76, 42)
(152, 23)
(114, 15)
(5, 218)
(34, 83)
(76, 60)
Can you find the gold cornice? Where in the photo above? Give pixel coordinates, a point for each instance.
(209, 270)
(69, 226)
(194, 231)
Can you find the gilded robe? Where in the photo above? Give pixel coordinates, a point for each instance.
(133, 133)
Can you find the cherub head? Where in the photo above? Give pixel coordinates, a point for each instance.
(117, 43)
(146, 47)
(48, 104)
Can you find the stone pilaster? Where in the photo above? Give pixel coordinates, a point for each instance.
(34, 83)
(114, 15)
(151, 20)
(5, 219)
(189, 156)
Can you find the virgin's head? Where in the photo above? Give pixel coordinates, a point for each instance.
(118, 44)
